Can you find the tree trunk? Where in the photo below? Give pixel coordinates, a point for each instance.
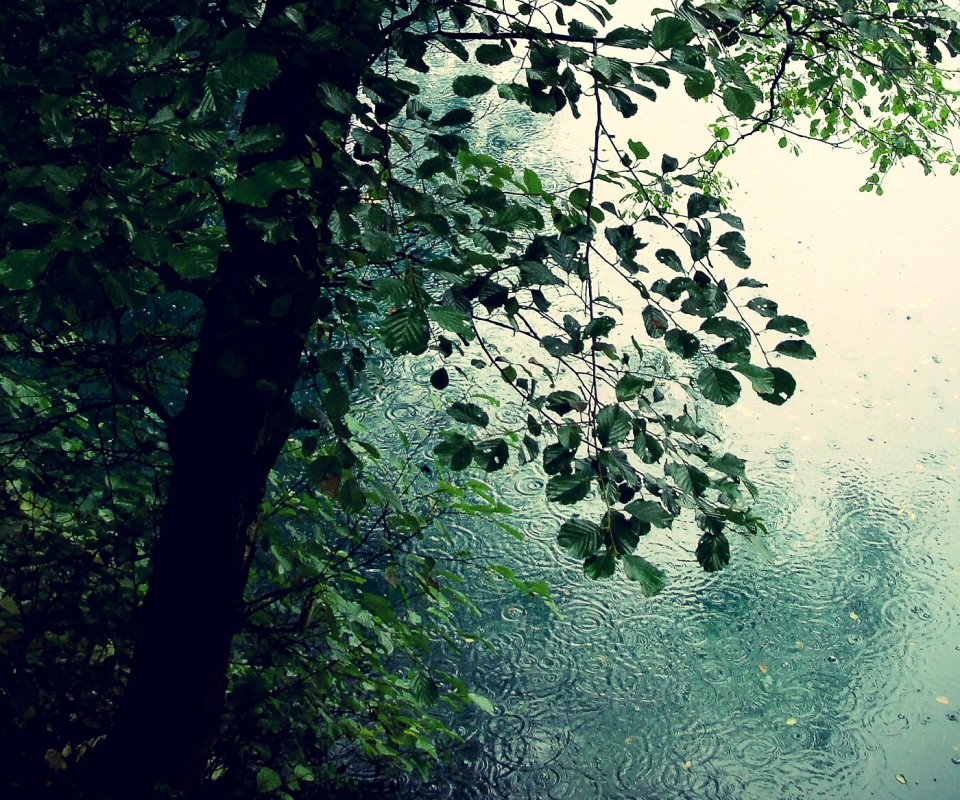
(236, 419)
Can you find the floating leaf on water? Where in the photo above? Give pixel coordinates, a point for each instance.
(687, 764)
(901, 778)
(628, 740)
(944, 700)
(792, 721)
(799, 645)
(854, 615)
(763, 668)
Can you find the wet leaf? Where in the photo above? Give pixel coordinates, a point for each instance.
(901, 778)
(268, 780)
(471, 85)
(481, 702)
(651, 578)
(719, 386)
(944, 700)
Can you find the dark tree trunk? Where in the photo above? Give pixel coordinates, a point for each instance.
(236, 419)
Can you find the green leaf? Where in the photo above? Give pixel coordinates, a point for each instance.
(336, 402)
(729, 464)
(259, 139)
(658, 76)
(151, 148)
(631, 38)
(406, 331)
(568, 489)
(599, 327)
(195, 261)
(613, 425)
(698, 204)
(655, 321)
(719, 385)
(738, 102)
(650, 511)
(670, 32)
(493, 54)
(531, 182)
(19, 268)
(713, 552)
(690, 480)
(453, 320)
(600, 565)
(638, 149)
(728, 329)
(249, 70)
(481, 702)
(763, 306)
(557, 458)
(580, 197)
(580, 536)
(682, 342)
(698, 84)
(670, 258)
(491, 455)
(784, 386)
(796, 348)
(751, 283)
(563, 402)
(425, 688)
(761, 379)
(621, 101)
(732, 220)
(651, 579)
(456, 451)
(30, 214)
(454, 117)
(469, 414)
(454, 47)
(648, 449)
(268, 780)
(788, 324)
(471, 85)
(629, 386)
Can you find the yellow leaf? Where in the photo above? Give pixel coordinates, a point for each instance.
(687, 764)
(854, 616)
(792, 721)
(944, 700)
(763, 668)
(901, 778)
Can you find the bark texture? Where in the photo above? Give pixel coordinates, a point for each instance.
(224, 442)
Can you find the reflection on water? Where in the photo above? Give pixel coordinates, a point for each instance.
(823, 675)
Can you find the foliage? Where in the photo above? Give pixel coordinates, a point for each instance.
(257, 209)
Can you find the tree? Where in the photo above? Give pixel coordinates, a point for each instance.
(219, 219)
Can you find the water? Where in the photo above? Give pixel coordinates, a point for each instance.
(833, 671)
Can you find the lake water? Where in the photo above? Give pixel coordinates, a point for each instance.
(833, 671)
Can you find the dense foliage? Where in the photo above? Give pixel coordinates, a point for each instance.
(224, 222)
